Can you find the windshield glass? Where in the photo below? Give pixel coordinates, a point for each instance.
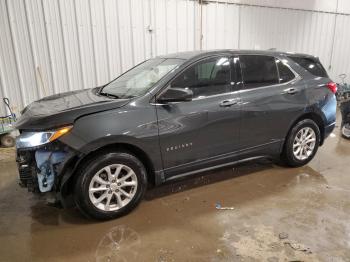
(141, 78)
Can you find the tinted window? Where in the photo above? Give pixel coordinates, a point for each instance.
(284, 72)
(313, 66)
(207, 77)
(258, 70)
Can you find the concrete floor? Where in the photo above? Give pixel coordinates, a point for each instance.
(309, 208)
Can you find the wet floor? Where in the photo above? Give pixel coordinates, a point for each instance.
(280, 214)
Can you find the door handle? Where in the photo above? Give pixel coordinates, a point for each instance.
(290, 91)
(228, 102)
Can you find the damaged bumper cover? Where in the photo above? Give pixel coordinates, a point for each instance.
(46, 168)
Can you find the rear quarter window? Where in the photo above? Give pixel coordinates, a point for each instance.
(285, 75)
(311, 65)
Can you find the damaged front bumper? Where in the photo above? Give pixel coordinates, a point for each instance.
(46, 168)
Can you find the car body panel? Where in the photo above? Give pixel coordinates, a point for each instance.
(268, 111)
(197, 130)
(132, 124)
(63, 109)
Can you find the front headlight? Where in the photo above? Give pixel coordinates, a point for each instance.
(33, 139)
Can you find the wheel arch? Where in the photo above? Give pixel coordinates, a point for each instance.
(313, 116)
(67, 185)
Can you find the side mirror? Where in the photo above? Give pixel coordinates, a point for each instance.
(176, 95)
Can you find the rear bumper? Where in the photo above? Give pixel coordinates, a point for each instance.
(328, 130)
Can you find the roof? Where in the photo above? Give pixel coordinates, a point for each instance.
(197, 54)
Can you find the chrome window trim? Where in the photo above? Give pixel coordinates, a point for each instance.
(201, 98)
(297, 77)
(222, 94)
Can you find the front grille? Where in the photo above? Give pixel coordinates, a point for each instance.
(27, 172)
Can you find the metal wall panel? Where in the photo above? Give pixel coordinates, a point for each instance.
(341, 53)
(9, 77)
(51, 46)
(290, 30)
(220, 26)
(174, 26)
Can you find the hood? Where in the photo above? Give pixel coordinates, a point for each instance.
(63, 109)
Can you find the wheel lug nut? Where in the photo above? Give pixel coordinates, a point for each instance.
(113, 181)
(110, 192)
(119, 184)
(107, 186)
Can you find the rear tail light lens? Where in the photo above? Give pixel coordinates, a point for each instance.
(332, 86)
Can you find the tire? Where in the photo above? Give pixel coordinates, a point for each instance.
(291, 156)
(89, 188)
(345, 130)
(7, 141)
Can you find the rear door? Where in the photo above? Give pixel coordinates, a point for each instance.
(273, 95)
(207, 126)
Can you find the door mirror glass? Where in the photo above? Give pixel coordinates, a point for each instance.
(174, 94)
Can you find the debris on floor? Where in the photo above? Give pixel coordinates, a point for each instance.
(186, 198)
(283, 235)
(218, 206)
(298, 247)
(294, 245)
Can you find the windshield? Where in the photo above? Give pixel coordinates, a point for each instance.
(141, 78)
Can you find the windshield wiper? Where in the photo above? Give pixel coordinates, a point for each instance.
(109, 95)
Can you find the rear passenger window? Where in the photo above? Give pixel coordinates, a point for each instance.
(258, 70)
(285, 73)
(313, 66)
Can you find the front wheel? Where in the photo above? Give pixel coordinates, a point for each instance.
(302, 143)
(110, 185)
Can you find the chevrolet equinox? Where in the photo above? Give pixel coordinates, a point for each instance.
(170, 117)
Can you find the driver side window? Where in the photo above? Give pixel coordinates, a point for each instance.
(208, 77)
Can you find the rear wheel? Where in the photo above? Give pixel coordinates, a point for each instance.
(110, 186)
(7, 141)
(302, 143)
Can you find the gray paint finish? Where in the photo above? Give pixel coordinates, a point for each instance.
(183, 137)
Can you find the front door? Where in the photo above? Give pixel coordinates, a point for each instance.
(192, 132)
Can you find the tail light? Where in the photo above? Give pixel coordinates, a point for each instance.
(332, 86)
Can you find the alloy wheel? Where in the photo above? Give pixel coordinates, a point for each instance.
(304, 143)
(113, 187)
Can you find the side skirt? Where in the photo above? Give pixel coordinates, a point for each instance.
(213, 167)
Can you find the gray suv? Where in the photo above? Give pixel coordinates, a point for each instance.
(171, 117)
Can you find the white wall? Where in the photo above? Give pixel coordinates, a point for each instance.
(51, 46)
(311, 5)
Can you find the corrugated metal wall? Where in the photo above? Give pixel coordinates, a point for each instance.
(51, 46)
